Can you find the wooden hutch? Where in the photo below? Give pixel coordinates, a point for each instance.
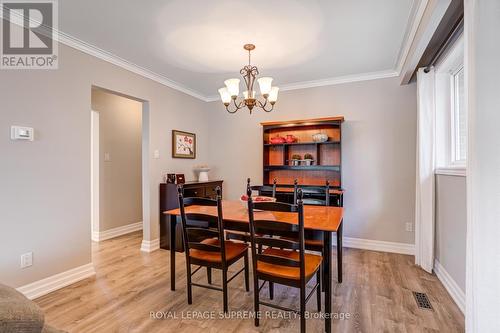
(326, 164)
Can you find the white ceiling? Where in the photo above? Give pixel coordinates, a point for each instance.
(198, 43)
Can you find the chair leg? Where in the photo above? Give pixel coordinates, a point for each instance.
(303, 309)
(323, 269)
(256, 299)
(189, 287)
(259, 249)
(209, 275)
(318, 289)
(224, 290)
(247, 273)
(271, 290)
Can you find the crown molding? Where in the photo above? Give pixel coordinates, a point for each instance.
(330, 81)
(416, 14)
(80, 45)
(339, 80)
(92, 50)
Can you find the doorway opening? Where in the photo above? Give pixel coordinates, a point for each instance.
(118, 173)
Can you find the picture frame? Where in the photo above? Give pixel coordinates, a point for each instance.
(170, 178)
(179, 178)
(183, 144)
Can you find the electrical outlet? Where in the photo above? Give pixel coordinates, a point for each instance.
(409, 226)
(27, 260)
(156, 154)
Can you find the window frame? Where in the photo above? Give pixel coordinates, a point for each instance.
(455, 125)
(446, 93)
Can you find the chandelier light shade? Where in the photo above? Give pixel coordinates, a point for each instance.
(229, 94)
(233, 86)
(273, 95)
(225, 95)
(265, 85)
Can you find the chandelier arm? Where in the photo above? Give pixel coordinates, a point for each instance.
(263, 106)
(228, 110)
(237, 106)
(268, 110)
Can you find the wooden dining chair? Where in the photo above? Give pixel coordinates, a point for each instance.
(314, 239)
(206, 247)
(283, 261)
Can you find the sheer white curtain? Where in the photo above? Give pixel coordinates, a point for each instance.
(424, 198)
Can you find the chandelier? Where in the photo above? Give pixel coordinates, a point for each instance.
(231, 91)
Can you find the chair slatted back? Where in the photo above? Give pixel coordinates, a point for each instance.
(263, 188)
(263, 230)
(318, 190)
(194, 235)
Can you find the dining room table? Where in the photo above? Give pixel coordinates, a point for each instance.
(326, 219)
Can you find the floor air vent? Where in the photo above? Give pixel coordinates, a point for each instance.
(422, 300)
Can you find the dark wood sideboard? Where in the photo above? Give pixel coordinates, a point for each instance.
(169, 200)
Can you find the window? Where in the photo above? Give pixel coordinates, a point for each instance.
(459, 120)
(451, 112)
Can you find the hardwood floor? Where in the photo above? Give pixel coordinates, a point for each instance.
(130, 285)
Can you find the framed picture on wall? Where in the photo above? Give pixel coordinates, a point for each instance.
(183, 144)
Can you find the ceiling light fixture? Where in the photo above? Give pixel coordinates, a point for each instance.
(231, 91)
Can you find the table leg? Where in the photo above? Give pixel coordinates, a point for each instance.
(327, 280)
(173, 223)
(339, 252)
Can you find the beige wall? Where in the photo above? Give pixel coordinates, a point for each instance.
(46, 183)
(378, 150)
(451, 226)
(120, 178)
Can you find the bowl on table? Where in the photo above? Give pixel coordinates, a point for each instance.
(256, 199)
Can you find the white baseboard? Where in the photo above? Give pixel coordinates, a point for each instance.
(98, 236)
(58, 281)
(376, 245)
(150, 246)
(450, 285)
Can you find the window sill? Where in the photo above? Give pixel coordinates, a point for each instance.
(460, 172)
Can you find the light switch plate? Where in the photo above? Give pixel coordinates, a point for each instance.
(156, 154)
(22, 133)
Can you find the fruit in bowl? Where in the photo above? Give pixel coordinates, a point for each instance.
(256, 198)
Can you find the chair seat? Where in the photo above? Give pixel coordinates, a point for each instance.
(312, 263)
(233, 250)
